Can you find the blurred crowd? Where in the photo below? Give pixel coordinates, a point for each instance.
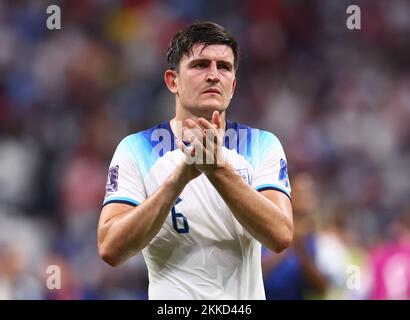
(338, 99)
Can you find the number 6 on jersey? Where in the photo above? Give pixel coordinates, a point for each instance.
(176, 217)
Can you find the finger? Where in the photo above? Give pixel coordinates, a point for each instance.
(189, 134)
(212, 136)
(206, 124)
(192, 124)
(216, 119)
(188, 151)
(199, 151)
(180, 145)
(194, 128)
(213, 145)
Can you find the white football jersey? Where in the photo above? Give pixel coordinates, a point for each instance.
(201, 251)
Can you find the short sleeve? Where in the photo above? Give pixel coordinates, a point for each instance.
(124, 181)
(271, 171)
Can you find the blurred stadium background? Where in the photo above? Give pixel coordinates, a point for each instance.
(339, 100)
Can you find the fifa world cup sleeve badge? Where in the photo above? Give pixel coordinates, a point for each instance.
(283, 173)
(112, 179)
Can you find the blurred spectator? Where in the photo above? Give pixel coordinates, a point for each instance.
(17, 282)
(390, 263)
(19, 158)
(340, 257)
(293, 274)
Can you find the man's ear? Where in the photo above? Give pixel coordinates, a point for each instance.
(170, 78)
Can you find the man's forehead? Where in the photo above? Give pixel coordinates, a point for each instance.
(211, 51)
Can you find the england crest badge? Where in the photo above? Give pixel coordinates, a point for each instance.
(244, 173)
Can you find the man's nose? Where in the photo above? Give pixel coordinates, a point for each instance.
(212, 75)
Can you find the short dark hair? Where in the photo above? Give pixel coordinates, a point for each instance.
(206, 33)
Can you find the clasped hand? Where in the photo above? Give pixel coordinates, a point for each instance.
(205, 143)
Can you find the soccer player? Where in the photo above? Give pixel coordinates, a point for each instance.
(198, 194)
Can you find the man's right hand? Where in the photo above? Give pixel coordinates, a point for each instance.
(185, 172)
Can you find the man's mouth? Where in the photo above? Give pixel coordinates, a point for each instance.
(212, 90)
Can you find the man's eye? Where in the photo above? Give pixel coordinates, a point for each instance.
(200, 65)
(224, 66)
